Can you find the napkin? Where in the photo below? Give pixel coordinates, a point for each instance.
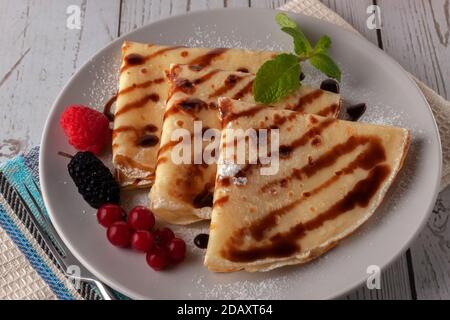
(26, 267)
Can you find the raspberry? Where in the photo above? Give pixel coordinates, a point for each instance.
(86, 129)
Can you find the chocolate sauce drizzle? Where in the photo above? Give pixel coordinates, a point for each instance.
(204, 198)
(307, 99)
(135, 59)
(205, 60)
(230, 82)
(107, 108)
(284, 244)
(148, 140)
(245, 91)
(142, 85)
(145, 137)
(228, 116)
(189, 106)
(188, 86)
(137, 104)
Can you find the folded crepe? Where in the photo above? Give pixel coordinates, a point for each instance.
(183, 193)
(142, 96)
(332, 176)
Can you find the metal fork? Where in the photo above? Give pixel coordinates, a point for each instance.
(60, 252)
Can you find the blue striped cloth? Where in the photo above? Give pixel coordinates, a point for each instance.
(14, 174)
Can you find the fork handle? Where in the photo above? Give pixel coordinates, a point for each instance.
(106, 292)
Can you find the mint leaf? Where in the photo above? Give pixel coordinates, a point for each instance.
(324, 63)
(284, 21)
(323, 44)
(277, 78)
(302, 46)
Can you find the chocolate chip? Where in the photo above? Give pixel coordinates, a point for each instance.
(201, 240)
(302, 76)
(285, 151)
(356, 111)
(330, 85)
(151, 128)
(148, 140)
(203, 199)
(192, 104)
(134, 59)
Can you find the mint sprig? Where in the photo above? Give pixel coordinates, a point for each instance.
(279, 77)
(324, 63)
(302, 46)
(323, 44)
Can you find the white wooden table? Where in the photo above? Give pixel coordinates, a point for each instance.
(38, 54)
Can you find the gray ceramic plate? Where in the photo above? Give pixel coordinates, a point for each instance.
(368, 76)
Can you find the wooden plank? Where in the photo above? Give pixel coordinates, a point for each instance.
(430, 253)
(354, 12)
(205, 5)
(394, 285)
(137, 13)
(418, 38)
(41, 56)
(395, 282)
(272, 4)
(236, 3)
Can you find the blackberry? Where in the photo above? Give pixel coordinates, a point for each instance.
(93, 179)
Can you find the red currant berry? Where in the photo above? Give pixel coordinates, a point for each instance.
(163, 236)
(158, 258)
(177, 250)
(107, 214)
(141, 218)
(119, 234)
(142, 240)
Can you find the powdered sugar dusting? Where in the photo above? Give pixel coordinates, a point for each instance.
(228, 168)
(240, 181)
(106, 77)
(270, 288)
(385, 115)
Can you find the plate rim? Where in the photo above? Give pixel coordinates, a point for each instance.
(129, 292)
